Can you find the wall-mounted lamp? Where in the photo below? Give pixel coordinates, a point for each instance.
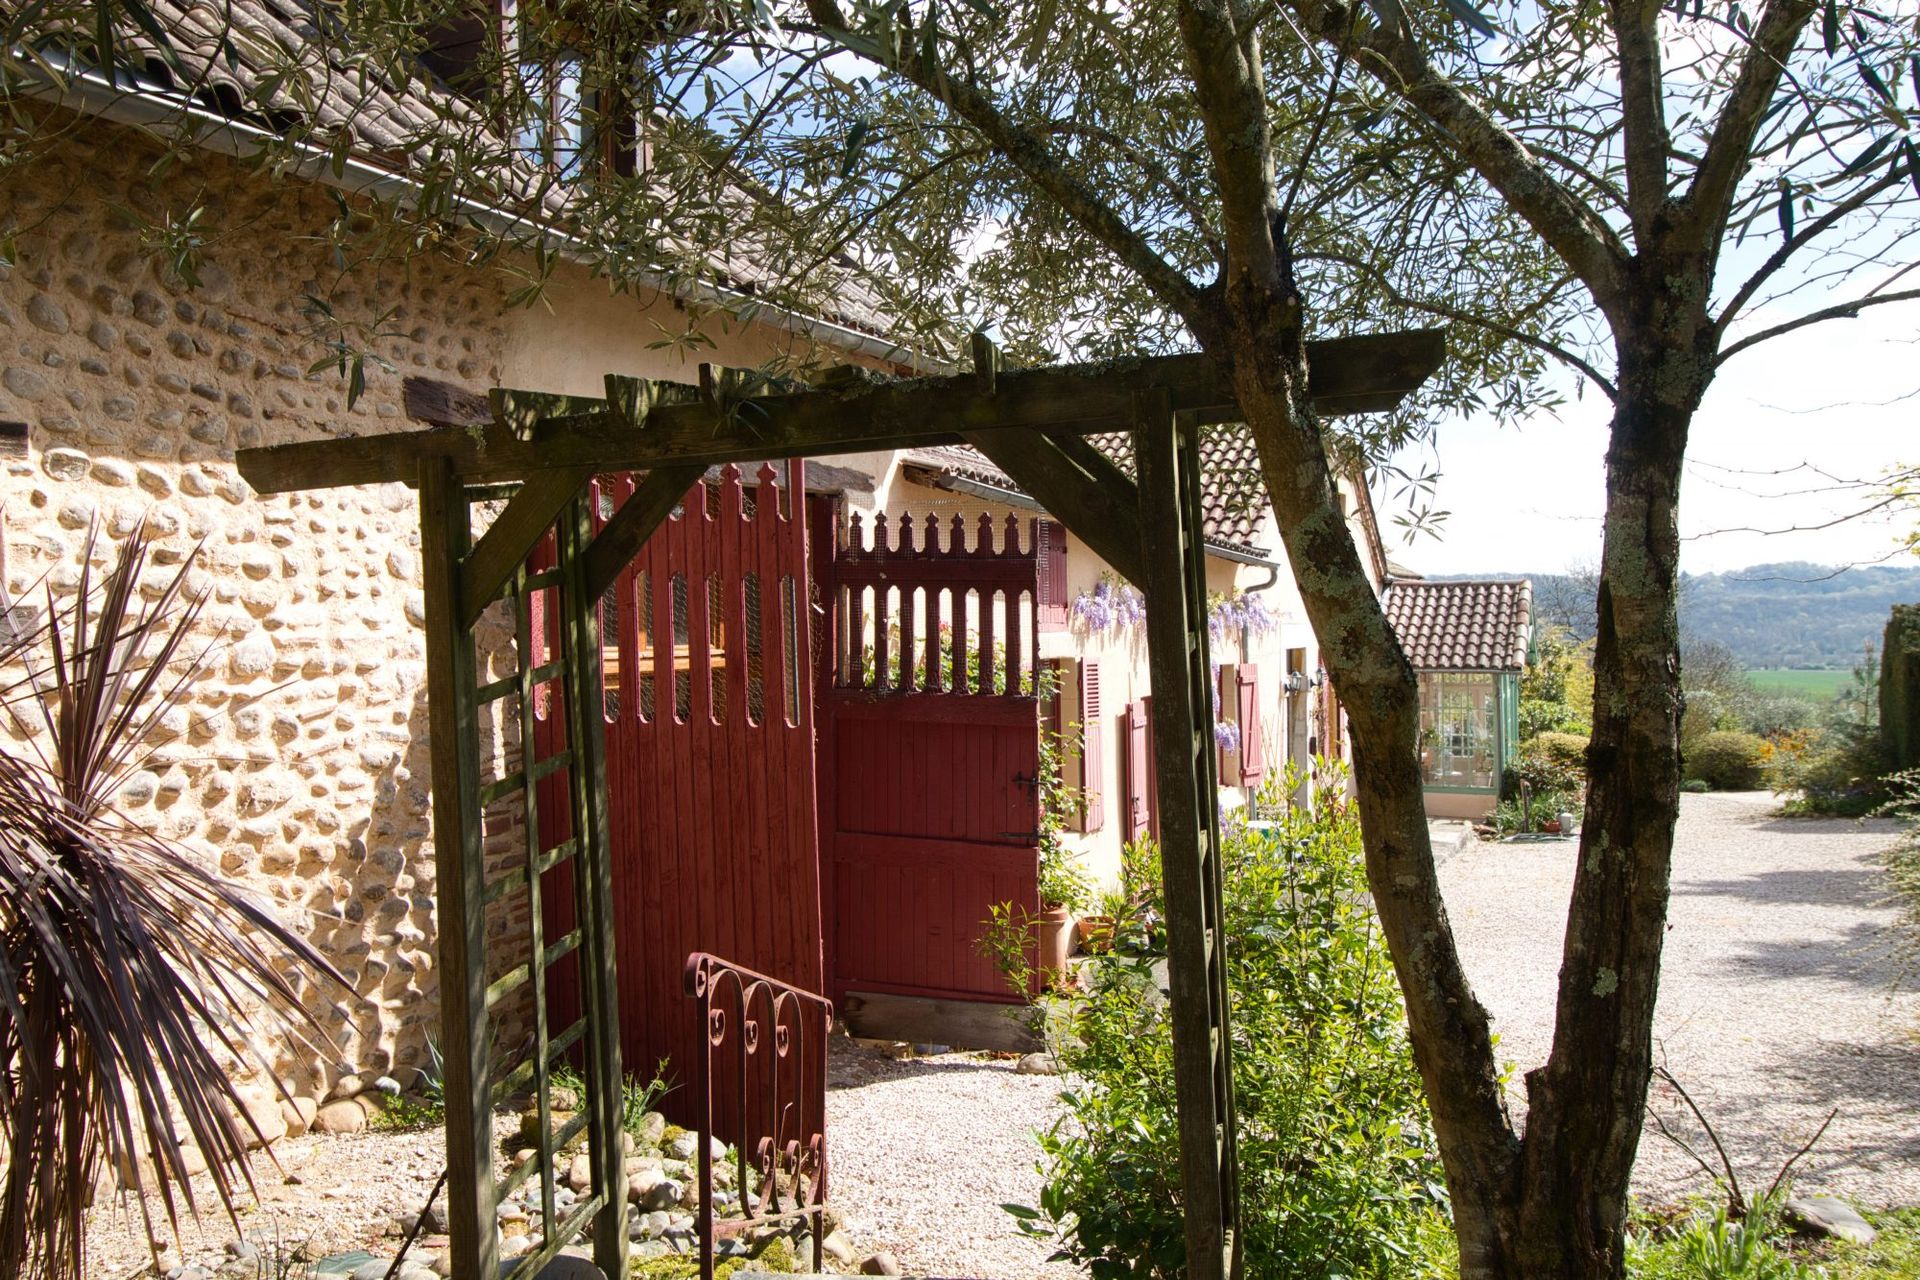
(1296, 682)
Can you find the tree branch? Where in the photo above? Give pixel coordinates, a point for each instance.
(1636, 25)
(1445, 312)
(1818, 226)
(1027, 153)
(1224, 59)
(1841, 311)
(1155, 171)
(1569, 225)
(1709, 199)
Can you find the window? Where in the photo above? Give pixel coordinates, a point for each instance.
(527, 68)
(1458, 738)
(554, 131)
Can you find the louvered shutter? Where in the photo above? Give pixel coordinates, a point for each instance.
(1050, 602)
(1253, 747)
(1093, 756)
(1153, 771)
(1138, 770)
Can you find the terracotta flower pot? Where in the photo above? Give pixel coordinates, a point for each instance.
(1055, 934)
(1095, 933)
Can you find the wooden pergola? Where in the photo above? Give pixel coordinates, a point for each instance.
(540, 452)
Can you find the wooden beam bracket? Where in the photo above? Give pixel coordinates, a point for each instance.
(1098, 504)
(512, 535)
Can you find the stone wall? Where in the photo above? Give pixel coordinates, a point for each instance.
(299, 765)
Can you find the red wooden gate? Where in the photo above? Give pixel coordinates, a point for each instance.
(710, 760)
(930, 762)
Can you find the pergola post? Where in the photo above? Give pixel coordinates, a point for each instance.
(1173, 561)
(593, 881)
(461, 578)
(460, 883)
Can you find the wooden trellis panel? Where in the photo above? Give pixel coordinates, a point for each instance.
(481, 1073)
(1173, 560)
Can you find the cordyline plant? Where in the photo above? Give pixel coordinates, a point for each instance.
(128, 971)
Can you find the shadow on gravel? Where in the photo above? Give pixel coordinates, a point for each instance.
(1859, 883)
(1869, 956)
(1825, 826)
(888, 1070)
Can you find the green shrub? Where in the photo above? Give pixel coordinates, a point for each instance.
(1697, 786)
(1552, 766)
(1728, 760)
(1338, 1171)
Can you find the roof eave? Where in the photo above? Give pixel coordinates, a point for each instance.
(131, 100)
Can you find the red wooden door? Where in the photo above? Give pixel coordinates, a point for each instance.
(930, 754)
(935, 822)
(710, 760)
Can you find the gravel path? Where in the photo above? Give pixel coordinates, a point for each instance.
(1781, 997)
(925, 1151)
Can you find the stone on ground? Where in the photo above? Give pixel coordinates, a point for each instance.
(342, 1116)
(880, 1264)
(1828, 1216)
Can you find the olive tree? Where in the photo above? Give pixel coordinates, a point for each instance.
(1696, 182)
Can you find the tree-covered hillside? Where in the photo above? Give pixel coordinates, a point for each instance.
(1792, 614)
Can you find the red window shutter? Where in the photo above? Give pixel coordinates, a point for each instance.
(1153, 771)
(1050, 599)
(1093, 757)
(1138, 768)
(1253, 747)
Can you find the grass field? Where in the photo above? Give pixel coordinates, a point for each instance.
(1811, 684)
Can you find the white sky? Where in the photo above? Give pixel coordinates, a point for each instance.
(1529, 498)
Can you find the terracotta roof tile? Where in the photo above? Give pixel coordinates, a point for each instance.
(1462, 626)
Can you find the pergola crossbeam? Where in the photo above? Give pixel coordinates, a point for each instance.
(702, 427)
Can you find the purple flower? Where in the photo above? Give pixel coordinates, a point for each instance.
(1110, 606)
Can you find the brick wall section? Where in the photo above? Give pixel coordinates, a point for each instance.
(300, 766)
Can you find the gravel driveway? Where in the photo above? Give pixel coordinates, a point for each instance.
(1787, 991)
(925, 1151)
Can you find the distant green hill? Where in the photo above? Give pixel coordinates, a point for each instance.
(1770, 615)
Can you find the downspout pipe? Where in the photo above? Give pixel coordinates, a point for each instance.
(141, 103)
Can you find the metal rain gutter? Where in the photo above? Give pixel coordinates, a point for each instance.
(144, 104)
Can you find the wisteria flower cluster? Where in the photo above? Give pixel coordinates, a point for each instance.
(1243, 610)
(1112, 605)
(1226, 735)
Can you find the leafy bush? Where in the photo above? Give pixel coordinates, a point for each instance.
(1551, 762)
(1696, 786)
(1556, 688)
(1339, 1175)
(1728, 760)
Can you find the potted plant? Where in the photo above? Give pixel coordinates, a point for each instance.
(1063, 892)
(1063, 886)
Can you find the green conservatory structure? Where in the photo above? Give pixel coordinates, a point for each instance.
(1468, 643)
